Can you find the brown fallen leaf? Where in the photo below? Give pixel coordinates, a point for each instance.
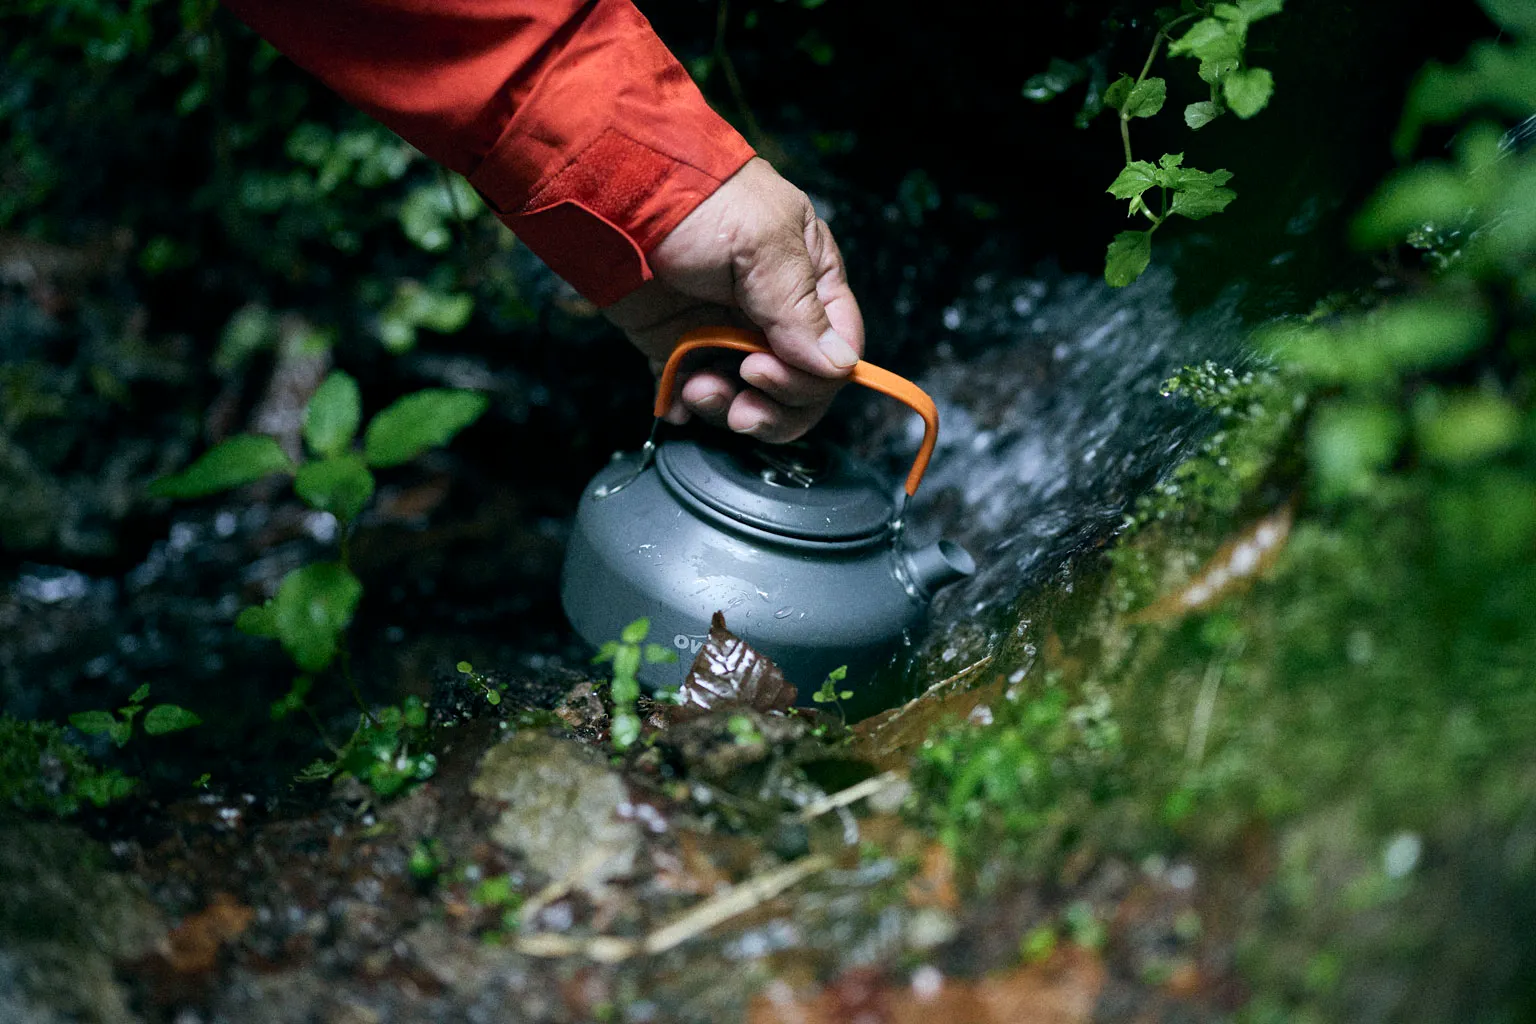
(1238, 562)
(1060, 990)
(193, 946)
(728, 671)
(888, 740)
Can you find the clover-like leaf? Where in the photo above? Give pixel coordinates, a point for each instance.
(419, 421)
(1247, 92)
(313, 607)
(1198, 115)
(230, 464)
(164, 718)
(1133, 180)
(1146, 99)
(1128, 256)
(340, 485)
(333, 415)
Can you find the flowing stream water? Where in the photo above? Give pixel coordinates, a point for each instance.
(1052, 421)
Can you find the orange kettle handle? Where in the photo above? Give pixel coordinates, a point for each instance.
(868, 374)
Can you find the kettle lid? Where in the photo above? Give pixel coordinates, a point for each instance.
(803, 489)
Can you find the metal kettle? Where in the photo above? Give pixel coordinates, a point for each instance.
(798, 545)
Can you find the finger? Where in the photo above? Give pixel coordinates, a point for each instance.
(755, 414)
(778, 288)
(832, 286)
(709, 390)
(786, 384)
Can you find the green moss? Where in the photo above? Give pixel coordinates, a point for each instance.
(42, 772)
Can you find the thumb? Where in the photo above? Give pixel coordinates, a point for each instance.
(792, 286)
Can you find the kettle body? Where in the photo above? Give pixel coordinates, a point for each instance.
(644, 544)
(798, 546)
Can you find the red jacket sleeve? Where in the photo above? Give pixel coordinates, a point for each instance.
(570, 117)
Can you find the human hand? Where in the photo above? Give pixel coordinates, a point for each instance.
(754, 254)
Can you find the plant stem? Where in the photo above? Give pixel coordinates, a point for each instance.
(346, 646)
(1125, 121)
(324, 738)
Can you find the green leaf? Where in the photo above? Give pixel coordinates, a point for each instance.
(415, 305)
(1202, 202)
(1146, 99)
(424, 217)
(291, 701)
(1128, 256)
(1466, 428)
(1247, 92)
(238, 461)
(1133, 180)
(1198, 115)
(333, 415)
(258, 620)
(138, 695)
(1253, 10)
(417, 422)
(636, 631)
(1188, 179)
(164, 718)
(1403, 336)
(656, 654)
(1205, 37)
(1516, 15)
(1349, 442)
(94, 723)
(1410, 199)
(1118, 93)
(313, 608)
(340, 485)
(250, 330)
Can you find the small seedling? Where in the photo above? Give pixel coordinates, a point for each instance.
(492, 693)
(314, 604)
(626, 654)
(424, 864)
(161, 719)
(830, 694)
(379, 751)
(499, 892)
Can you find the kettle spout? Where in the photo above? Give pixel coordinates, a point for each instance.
(938, 565)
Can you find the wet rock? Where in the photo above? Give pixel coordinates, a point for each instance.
(64, 921)
(561, 809)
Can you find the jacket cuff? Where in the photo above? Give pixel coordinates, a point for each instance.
(593, 221)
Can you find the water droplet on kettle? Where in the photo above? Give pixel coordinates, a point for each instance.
(784, 613)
